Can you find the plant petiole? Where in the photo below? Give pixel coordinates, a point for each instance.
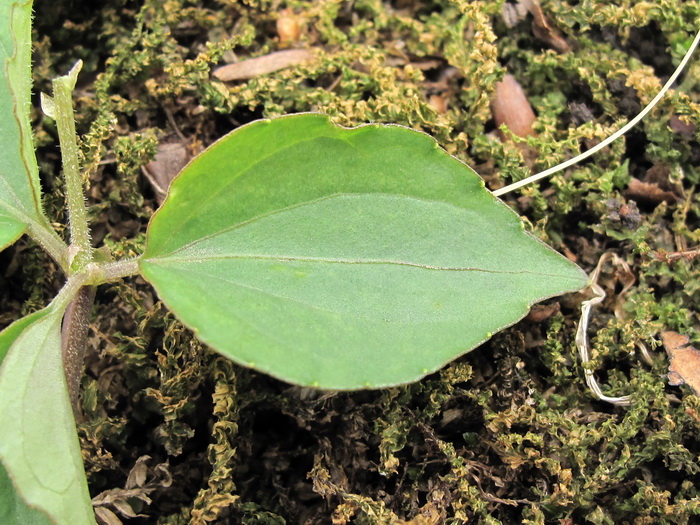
(113, 271)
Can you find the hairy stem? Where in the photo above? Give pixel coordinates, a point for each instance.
(81, 248)
(114, 271)
(51, 242)
(76, 321)
(74, 332)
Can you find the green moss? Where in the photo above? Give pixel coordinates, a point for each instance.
(507, 434)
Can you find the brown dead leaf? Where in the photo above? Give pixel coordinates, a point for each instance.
(685, 360)
(169, 160)
(105, 516)
(254, 67)
(111, 503)
(510, 106)
(542, 312)
(657, 186)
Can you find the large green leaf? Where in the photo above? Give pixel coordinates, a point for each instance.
(343, 258)
(42, 479)
(20, 190)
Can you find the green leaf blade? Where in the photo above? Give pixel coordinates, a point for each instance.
(20, 190)
(13, 509)
(344, 258)
(10, 230)
(40, 458)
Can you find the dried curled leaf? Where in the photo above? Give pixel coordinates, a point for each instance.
(544, 30)
(685, 360)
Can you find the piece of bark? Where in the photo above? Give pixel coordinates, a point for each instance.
(685, 360)
(510, 106)
(255, 67)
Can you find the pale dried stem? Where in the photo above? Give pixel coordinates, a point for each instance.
(582, 336)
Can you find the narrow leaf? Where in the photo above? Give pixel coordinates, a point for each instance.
(41, 470)
(343, 258)
(20, 191)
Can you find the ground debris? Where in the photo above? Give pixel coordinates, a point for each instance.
(262, 65)
(685, 360)
(510, 107)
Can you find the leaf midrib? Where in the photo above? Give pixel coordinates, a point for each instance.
(173, 261)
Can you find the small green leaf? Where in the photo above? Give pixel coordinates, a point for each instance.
(343, 258)
(20, 190)
(41, 469)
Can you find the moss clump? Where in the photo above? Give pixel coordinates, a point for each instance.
(507, 434)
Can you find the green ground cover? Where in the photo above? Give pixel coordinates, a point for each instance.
(508, 433)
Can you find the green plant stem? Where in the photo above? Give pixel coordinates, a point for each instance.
(80, 291)
(76, 320)
(81, 247)
(118, 270)
(51, 242)
(70, 289)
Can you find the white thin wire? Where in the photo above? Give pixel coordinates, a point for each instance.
(611, 138)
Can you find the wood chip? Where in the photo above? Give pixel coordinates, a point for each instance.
(685, 360)
(254, 67)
